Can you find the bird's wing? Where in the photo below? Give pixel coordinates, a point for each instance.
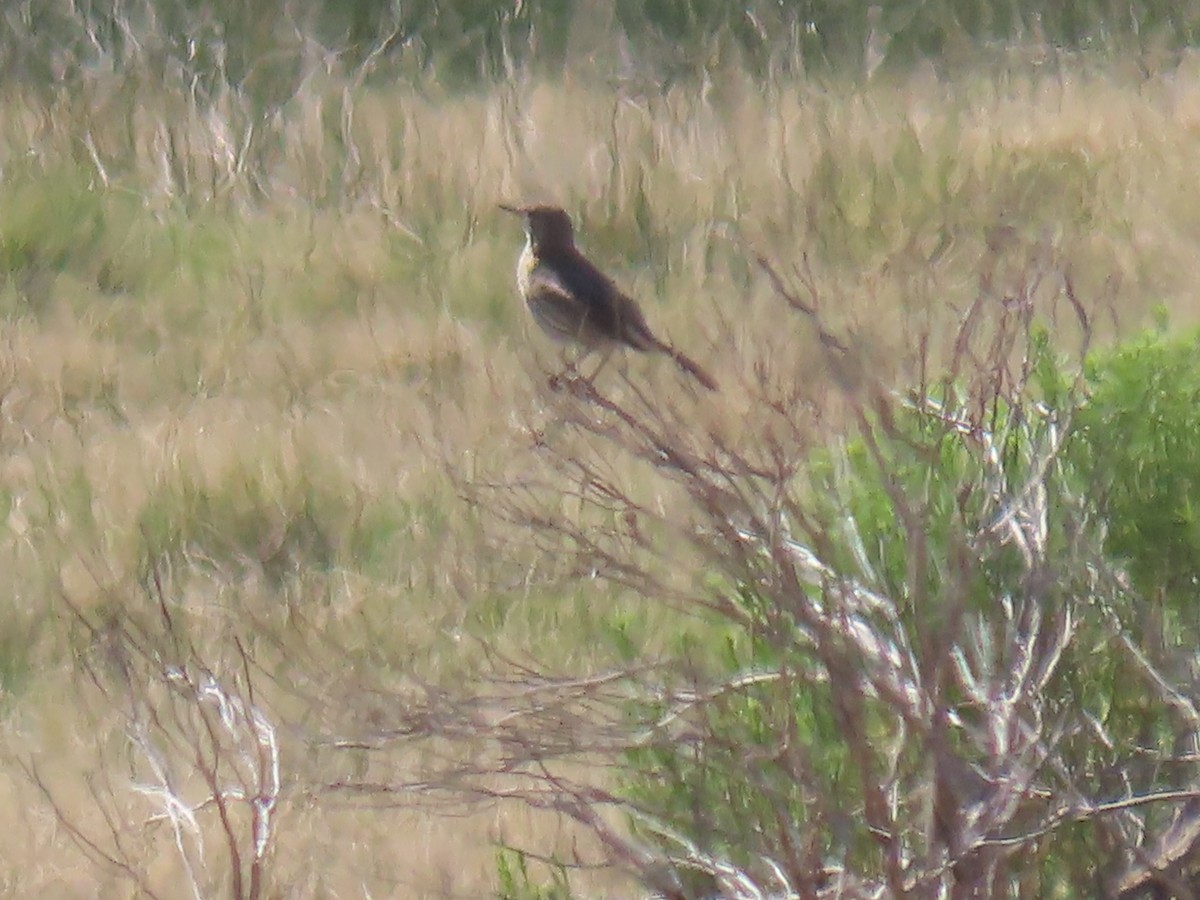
(632, 325)
(614, 313)
(560, 311)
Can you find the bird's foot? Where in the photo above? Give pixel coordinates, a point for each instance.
(571, 381)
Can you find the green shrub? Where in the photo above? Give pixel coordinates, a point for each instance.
(790, 722)
(1139, 440)
(959, 549)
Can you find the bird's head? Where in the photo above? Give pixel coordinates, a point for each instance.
(549, 227)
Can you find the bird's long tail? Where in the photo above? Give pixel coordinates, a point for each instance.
(643, 339)
(690, 366)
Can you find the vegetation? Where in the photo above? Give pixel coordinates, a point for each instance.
(256, 45)
(300, 542)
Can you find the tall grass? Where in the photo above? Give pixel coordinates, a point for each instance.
(257, 45)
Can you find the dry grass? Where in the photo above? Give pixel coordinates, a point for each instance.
(254, 354)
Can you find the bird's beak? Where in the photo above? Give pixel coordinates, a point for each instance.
(515, 210)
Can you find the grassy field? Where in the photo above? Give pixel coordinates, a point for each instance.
(264, 355)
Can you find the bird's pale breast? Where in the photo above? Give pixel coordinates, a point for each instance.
(526, 263)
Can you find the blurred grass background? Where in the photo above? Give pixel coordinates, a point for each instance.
(256, 302)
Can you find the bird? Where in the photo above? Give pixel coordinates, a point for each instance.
(573, 302)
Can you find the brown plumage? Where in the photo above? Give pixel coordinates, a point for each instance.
(574, 302)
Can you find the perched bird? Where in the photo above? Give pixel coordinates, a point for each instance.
(574, 302)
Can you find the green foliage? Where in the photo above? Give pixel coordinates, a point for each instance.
(19, 641)
(59, 222)
(238, 522)
(705, 789)
(258, 48)
(266, 517)
(724, 792)
(868, 203)
(515, 883)
(902, 512)
(1139, 440)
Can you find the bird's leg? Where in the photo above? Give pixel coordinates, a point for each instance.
(567, 374)
(605, 355)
